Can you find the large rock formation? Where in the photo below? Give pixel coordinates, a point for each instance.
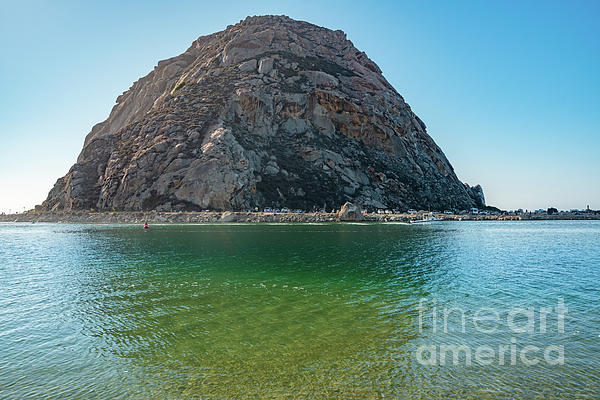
(270, 112)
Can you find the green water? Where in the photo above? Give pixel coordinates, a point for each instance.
(292, 311)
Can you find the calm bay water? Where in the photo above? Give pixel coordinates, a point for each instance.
(298, 311)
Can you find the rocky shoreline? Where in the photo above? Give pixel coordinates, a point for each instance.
(257, 217)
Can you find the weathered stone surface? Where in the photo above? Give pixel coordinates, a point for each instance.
(265, 65)
(476, 193)
(270, 112)
(248, 66)
(319, 78)
(350, 212)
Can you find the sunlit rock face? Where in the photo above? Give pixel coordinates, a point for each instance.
(270, 112)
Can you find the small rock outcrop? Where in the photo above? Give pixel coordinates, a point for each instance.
(476, 193)
(350, 212)
(270, 112)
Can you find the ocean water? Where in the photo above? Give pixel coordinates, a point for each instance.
(300, 311)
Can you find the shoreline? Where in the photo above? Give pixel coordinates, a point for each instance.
(258, 217)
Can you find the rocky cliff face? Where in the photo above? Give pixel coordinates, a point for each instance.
(270, 112)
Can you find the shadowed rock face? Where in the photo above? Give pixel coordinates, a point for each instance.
(270, 112)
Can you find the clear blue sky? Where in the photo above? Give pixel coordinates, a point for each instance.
(509, 90)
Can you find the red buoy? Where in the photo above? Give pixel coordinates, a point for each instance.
(146, 225)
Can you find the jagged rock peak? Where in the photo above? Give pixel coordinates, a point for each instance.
(270, 112)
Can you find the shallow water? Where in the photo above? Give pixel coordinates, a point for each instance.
(298, 311)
